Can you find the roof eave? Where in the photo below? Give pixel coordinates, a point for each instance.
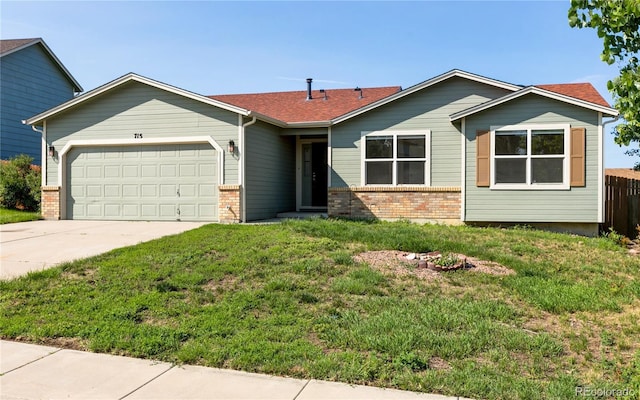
(36, 119)
(535, 90)
(423, 85)
(309, 124)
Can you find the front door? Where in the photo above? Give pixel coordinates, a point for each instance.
(314, 175)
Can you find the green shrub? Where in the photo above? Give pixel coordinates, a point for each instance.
(20, 184)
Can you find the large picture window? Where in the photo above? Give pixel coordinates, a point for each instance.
(395, 158)
(528, 156)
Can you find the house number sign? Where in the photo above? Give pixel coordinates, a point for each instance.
(137, 135)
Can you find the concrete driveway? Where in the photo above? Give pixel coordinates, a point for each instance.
(36, 245)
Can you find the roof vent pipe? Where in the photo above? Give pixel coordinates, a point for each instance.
(309, 80)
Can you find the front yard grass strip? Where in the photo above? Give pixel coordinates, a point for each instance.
(8, 216)
(288, 299)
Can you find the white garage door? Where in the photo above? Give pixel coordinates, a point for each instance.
(157, 182)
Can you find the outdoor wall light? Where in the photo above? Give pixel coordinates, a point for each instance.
(232, 147)
(52, 151)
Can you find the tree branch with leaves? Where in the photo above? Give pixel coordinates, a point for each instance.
(617, 22)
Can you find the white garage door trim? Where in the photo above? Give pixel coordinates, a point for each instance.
(136, 142)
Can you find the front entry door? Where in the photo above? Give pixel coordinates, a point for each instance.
(314, 175)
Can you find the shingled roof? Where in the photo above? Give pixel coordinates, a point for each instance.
(12, 44)
(581, 91)
(293, 107)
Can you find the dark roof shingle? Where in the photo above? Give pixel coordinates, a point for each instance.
(293, 107)
(581, 91)
(12, 44)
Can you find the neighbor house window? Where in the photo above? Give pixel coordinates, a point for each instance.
(528, 156)
(395, 158)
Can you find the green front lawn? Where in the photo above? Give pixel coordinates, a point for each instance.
(290, 300)
(10, 216)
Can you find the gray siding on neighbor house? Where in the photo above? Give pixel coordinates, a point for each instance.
(138, 108)
(426, 109)
(270, 171)
(30, 82)
(579, 204)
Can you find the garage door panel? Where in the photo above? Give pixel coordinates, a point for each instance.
(111, 171)
(187, 170)
(93, 191)
(169, 211)
(187, 191)
(168, 171)
(157, 182)
(168, 191)
(208, 170)
(130, 210)
(130, 171)
(187, 210)
(93, 210)
(149, 190)
(93, 171)
(112, 210)
(112, 191)
(149, 171)
(130, 190)
(207, 190)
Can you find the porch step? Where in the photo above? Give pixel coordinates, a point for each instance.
(302, 214)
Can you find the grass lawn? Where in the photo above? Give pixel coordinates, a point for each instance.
(10, 216)
(290, 300)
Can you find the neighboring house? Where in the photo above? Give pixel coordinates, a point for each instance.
(457, 148)
(32, 79)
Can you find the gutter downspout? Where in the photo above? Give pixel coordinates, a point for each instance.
(43, 154)
(243, 193)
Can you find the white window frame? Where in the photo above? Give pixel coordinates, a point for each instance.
(528, 185)
(394, 170)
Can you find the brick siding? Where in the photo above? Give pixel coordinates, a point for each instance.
(229, 204)
(50, 202)
(437, 204)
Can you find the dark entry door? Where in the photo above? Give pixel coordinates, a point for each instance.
(314, 175)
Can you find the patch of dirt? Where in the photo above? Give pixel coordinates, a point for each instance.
(225, 284)
(397, 262)
(62, 342)
(438, 363)
(634, 248)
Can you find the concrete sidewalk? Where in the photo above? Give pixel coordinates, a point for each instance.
(40, 372)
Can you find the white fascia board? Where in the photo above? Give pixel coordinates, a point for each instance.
(267, 119)
(426, 84)
(46, 48)
(131, 77)
(310, 124)
(532, 90)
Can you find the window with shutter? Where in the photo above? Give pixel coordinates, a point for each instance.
(531, 157)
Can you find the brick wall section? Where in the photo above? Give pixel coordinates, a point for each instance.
(229, 204)
(50, 202)
(437, 204)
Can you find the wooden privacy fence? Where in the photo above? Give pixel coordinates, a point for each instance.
(622, 205)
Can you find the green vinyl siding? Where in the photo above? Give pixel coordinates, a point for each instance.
(579, 204)
(426, 109)
(270, 172)
(138, 108)
(30, 82)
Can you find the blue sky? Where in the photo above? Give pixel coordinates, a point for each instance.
(212, 47)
